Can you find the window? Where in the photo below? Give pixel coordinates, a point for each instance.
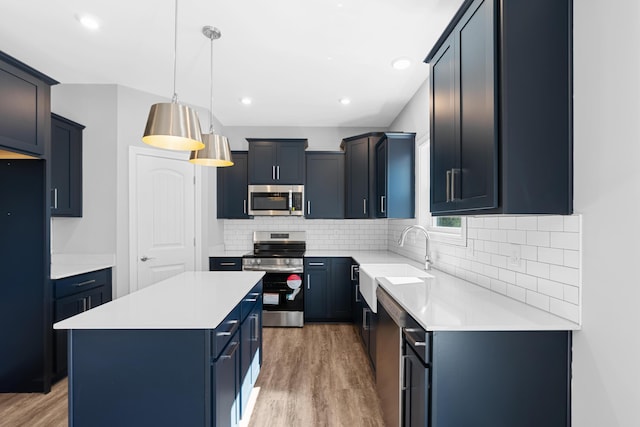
(446, 229)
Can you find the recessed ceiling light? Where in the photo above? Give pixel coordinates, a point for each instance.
(401, 63)
(89, 22)
(246, 100)
(345, 101)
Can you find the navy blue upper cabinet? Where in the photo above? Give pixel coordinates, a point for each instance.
(501, 110)
(66, 167)
(24, 107)
(324, 188)
(359, 175)
(395, 176)
(232, 188)
(276, 161)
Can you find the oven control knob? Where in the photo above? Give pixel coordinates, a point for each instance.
(257, 261)
(287, 261)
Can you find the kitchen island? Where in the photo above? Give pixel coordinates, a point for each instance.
(185, 351)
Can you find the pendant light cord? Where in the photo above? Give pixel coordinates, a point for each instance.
(211, 92)
(175, 52)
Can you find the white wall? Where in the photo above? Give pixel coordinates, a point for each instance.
(319, 138)
(95, 107)
(606, 353)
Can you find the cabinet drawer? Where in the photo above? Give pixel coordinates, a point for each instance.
(250, 300)
(223, 333)
(316, 263)
(80, 283)
(225, 264)
(418, 339)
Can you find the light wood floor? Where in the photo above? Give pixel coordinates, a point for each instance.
(312, 376)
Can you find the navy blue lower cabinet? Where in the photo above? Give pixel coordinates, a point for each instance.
(225, 383)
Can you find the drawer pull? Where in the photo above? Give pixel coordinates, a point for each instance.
(230, 351)
(250, 299)
(316, 264)
(228, 264)
(88, 282)
(232, 329)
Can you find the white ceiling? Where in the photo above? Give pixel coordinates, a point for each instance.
(294, 58)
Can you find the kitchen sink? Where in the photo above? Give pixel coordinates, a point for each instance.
(400, 273)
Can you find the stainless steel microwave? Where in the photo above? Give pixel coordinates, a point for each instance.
(276, 200)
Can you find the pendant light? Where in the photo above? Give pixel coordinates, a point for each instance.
(216, 150)
(172, 125)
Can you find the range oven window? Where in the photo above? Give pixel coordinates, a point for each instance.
(283, 292)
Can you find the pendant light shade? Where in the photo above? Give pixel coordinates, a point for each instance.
(216, 151)
(171, 125)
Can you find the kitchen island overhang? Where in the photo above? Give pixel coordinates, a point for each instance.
(185, 351)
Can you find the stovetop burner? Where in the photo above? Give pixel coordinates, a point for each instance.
(270, 244)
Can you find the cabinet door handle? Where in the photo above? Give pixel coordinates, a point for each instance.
(244, 206)
(448, 184)
(278, 173)
(250, 299)
(316, 264)
(453, 184)
(273, 173)
(357, 293)
(55, 198)
(382, 203)
(228, 264)
(403, 372)
(308, 207)
(354, 271)
(364, 206)
(84, 304)
(364, 318)
(230, 351)
(89, 303)
(256, 327)
(308, 281)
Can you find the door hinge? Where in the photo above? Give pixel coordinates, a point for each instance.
(194, 180)
(194, 241)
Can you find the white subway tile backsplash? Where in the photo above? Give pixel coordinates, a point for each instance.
(550, 223)
(565, 309)
(551, 255)
(537, 300)
(507, 276)
(570, 276)
(538, 269)
(527, 223)
(530, 253)
(499, 235)
(564, 240)
(538, 238)
(551, 288)
(572, 223)
(499, 261)
(499, 286)
(491, 222)
(484, 281)
(572, 294)
(517, 236)
(527, 281)
(571, 258)
(516, 292)
(507, 222)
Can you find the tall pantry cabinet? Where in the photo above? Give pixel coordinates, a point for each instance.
(25, 290)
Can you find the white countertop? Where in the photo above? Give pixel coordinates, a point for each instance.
(447, 303)
(67, 265)
(190, 300)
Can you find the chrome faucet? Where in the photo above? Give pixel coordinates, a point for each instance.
(427, 261)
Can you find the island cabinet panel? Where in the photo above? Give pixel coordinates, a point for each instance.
(167, 377)
(66, 167)
(501, 139)
(74, 295)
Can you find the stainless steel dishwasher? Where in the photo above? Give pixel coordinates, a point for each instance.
(391, 319)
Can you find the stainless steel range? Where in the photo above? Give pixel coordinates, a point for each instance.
(280, 255)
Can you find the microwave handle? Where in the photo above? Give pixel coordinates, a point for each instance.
(290, 200)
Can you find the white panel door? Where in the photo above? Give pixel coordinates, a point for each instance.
(164, 210)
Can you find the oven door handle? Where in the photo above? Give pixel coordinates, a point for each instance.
(275, 269)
